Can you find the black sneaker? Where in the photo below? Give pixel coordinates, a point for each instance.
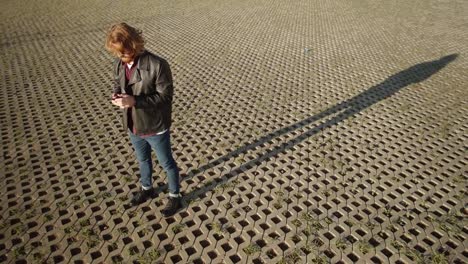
(173, 205)
(141, 196)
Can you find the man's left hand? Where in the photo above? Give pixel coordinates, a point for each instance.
(126, 101)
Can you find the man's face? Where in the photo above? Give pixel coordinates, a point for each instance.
(127, 56)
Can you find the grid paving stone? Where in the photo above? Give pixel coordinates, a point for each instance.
(311, 131)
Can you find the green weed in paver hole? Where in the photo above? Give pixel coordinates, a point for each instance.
(92, 239)
(132, 214)
(450, 224)
(217, 228)
(349, 223)
(229, 185)
(177, 228)
(38, 257)
(291, 258)
(296, 239)
(319, 260)
(92, 200)
(341, 244)
(127, 179)
(123, 231)
(144, 231)
(19, 229)
(19, 252)
(277, 205)
(396, 179)
(113, 246)
(307, 249)
(13, 212)
(137, 223)
(315, 225)
(400, 221)
(239, 161)
(397, 245)
(48, 217)
(235, 214)
(307, 216)
(88, 232)
(68, 230)
(279, 200)
(298, 195)
(71, 240)
(459, 179)
(460, 196)
(92, 242)
(132, 251)
(439, 258)
(120, 210)
(252, 249)
(392, 228)
(316, 243)
(9, 168)
(424, 205)
(364, 247)
(414, 255)
(297, 223)
(208, 184)
(307, 231)
(22, 170)
(370, 224)
(143, 260)
(154, 254)
(85, 222)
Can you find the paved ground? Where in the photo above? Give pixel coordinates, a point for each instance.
(306, 131)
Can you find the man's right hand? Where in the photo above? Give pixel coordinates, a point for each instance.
(114, 97)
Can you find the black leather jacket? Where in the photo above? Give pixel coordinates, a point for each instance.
(151, 85)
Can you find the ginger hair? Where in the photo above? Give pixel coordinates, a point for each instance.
(122, 38)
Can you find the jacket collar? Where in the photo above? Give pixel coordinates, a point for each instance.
(143, 61)
(142, 64)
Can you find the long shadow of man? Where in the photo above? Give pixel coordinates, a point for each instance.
(343, 110)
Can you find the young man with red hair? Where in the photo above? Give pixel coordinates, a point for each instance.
(143, 89)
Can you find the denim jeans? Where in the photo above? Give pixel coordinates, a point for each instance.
(162, 146)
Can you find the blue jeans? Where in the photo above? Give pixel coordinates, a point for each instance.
(162, 146)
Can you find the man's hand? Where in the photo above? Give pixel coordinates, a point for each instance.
(123, 100)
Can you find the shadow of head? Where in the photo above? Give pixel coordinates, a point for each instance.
(423, 71)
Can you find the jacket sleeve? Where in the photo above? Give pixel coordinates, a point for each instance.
(164, 89)
(116, 89)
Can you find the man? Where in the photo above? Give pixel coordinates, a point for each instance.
(143, 89)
